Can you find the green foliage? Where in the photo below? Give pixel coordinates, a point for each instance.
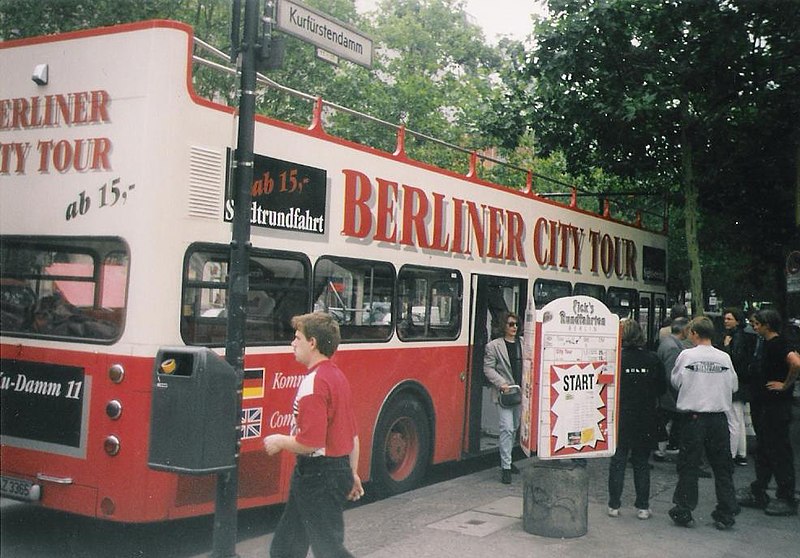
(431, 70)
(508, 115)
(681, 95)
(27, 18)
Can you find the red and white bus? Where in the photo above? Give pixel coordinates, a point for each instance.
(115, 223)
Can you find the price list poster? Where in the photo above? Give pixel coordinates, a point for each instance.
(575, 371)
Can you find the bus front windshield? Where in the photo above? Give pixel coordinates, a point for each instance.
(69, 288)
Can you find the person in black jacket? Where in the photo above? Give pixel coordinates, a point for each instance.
(777, 369)
(641, 383)
(739, 344)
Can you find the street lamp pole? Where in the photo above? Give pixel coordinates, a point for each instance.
(225, 512)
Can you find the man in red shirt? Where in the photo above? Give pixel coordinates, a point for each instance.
(325, 440)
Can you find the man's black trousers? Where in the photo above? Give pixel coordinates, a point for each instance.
(314, 512)
(709, 432)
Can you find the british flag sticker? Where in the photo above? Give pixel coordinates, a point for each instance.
(251, 423)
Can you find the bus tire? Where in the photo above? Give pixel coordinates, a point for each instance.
(402, 447)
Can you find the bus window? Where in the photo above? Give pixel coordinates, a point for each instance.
(358, 294)
(70, 288)
(429, 303)
(545, 291)
(622, 301)
(587, 289)
(278, 290)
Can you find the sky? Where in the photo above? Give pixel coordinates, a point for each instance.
(496, 17)
(504, 17)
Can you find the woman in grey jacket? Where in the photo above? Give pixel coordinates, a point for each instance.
(502, 365)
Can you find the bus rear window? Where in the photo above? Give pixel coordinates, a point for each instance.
(68, 288)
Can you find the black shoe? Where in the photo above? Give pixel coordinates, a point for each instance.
(748, 499)
(505, 476)
(703, 474)
(722, 522)
(681, 517)
(514, 469)
(740, 460)
(779, 507)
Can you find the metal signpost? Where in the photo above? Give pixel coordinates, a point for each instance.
(224, 540)
(326, 33)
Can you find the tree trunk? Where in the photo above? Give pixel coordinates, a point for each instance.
(690, 219)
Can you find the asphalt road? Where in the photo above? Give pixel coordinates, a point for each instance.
(30, 532)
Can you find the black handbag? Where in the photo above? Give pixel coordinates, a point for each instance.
(511, 397)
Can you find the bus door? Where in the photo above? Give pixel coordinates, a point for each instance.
(646, 316)
(652, 311)
(491, 296)
(659, 315)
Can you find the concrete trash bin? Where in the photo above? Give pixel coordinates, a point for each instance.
(556, 498)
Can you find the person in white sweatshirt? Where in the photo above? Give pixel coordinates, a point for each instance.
(706, 380)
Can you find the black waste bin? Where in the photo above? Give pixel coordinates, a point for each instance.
(193, 422)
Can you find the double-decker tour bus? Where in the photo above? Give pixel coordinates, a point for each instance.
(115, 218)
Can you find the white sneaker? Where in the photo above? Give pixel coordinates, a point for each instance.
(644, 514)
(613, 512)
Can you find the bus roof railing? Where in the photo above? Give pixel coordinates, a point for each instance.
(640, 217)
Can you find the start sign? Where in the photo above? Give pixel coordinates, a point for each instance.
(573, 383)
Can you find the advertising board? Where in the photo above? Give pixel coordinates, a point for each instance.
(572, 389)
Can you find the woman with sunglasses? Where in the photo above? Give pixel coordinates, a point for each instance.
(502, 365)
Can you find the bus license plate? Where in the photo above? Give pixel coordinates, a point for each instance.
(19, 489)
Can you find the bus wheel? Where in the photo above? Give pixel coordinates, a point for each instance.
(402, 447)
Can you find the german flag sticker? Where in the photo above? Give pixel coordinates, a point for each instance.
(253, 387)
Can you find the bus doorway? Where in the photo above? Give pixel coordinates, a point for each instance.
(652, 313)
(491, 296)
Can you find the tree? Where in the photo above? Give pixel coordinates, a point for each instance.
(664, 93)
(27, 18)
(431, 74)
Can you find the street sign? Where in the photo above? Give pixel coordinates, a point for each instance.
(324, 31)
(328, 57)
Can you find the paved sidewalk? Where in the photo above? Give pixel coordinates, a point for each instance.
(475, 516)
